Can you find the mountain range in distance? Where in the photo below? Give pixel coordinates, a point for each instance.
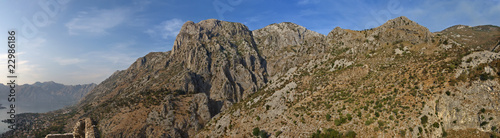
(46, 96)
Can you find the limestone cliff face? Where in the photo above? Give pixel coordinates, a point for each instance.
(286, 45)
(213, 64)
(396, 80)
(221, 60)
(400, 29)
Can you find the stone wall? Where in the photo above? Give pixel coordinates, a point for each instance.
(84, 128)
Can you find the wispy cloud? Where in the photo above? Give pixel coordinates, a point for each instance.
(85, 75)
(36, 42)
(167, 29)
(437, 15)
(119, 54)
(141, 4)
(67, 61)
(303, 2)
(97, 21)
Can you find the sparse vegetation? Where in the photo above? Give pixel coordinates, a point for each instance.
(331, 133)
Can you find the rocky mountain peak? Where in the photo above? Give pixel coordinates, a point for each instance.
(288, 28)
(455, 27)
(337, 31)
(403, 29)
(207, 29)
(284, 26)
(399, 21)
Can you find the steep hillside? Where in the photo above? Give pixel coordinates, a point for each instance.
(223, 80)
(398, 80)
(213, 64)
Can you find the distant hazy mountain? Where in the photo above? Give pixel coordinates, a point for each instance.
(47, 95)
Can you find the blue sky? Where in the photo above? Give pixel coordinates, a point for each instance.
(78, 42)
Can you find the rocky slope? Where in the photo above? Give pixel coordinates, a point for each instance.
(213, 64)
(396, 80)
(223, 80)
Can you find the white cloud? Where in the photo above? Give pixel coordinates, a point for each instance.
(141, 4)
(27, 72)
(67, 61)
(97, 21)
(167, 29)
(119, 55)
(87, 74)
(303, 2)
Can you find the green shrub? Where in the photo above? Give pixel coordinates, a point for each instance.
(350, 134)
(381, 124)
(485, 76)
(402, 133)
(263, 134)
(337, 122)
(369, 122)
(424, 119)
(483, 123)
(436, 125)
(260, 133)
(256, 131)
(328, 117)
(329, 133)
(277, 133)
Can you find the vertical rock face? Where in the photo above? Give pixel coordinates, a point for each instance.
(221, 59)
(213, 64)
(286, 45)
